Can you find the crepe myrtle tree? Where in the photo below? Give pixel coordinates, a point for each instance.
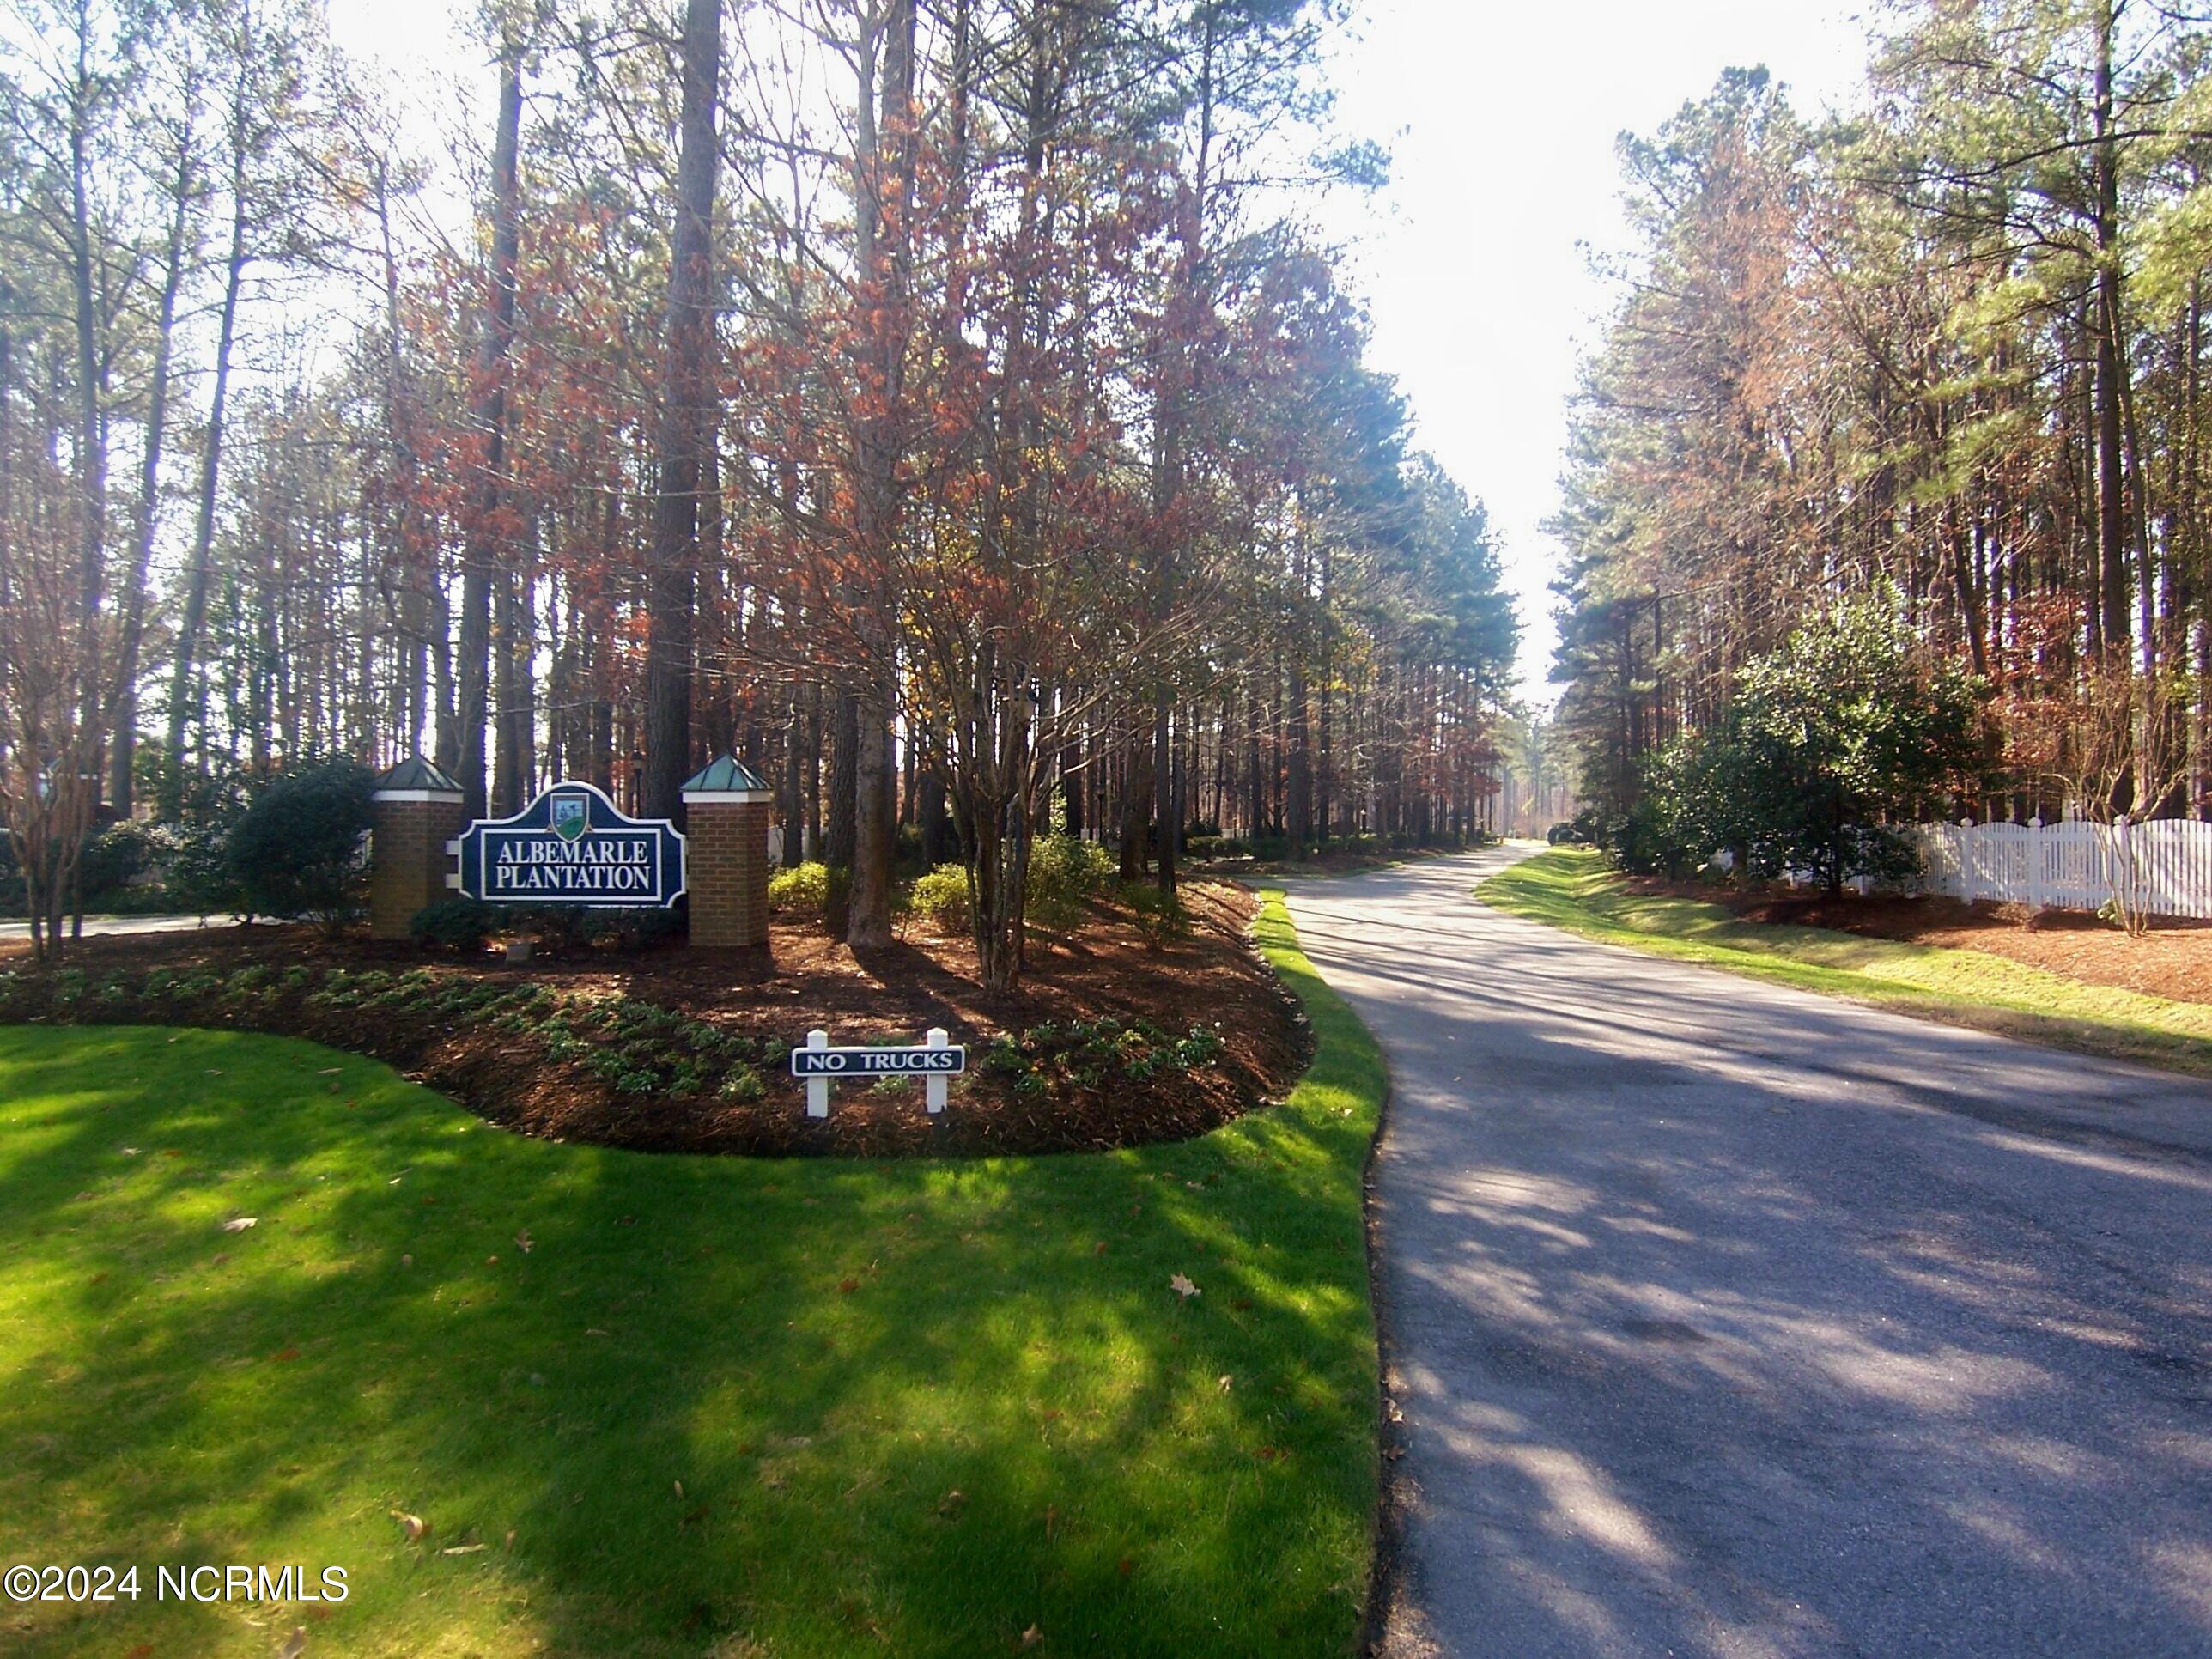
(1844, 729)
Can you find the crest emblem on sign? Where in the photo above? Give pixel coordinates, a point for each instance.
(571, 815)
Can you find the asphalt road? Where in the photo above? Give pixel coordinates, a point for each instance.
(100, 927)
(1730, 1320)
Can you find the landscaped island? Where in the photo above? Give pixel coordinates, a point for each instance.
(1134, 1026)
(260, 1301)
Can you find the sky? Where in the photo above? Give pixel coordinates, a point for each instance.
(1501, 116)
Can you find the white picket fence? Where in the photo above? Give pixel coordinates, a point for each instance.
(2064, 865)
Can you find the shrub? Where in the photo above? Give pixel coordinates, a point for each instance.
(194, 859)
(1846, 724)
(941, 896)
(1064, 872)
(632, 930)
(804, 887)
(459, 924)
(1157, 916)
(113, 857)
(297, 849)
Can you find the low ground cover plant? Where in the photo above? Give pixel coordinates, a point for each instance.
(638, 1049)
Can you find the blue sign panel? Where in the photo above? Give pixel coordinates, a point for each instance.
(572, 846)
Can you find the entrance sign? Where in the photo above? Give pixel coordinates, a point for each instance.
(572, 846)
(818, 1063)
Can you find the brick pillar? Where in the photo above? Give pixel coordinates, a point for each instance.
(408, 859)
(725, 863)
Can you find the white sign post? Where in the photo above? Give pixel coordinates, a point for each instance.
(936, 1087)
(818, 1088)
(818, 1065)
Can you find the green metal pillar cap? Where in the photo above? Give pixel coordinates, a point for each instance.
(726, 775)
(415, 779)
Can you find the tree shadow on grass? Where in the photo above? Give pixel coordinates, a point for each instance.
(824, 1407)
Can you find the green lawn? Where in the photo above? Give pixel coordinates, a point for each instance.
(1572, 888)
(717, 1407)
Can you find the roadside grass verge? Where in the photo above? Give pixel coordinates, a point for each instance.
(1573, 889)
(674, 1405)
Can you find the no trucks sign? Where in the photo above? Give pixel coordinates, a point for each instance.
(572, 846)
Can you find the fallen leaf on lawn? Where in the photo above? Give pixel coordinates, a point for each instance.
(1182, 1286)
(524, 1239)
(81, 1195)
(406, 1261)
(679, 1489)
(1126, 1565)
(294, 1644)
(1271, 1454)
(846, 1286)
(283, 1356)
(413, 1525)
(461, 1549)
(1225, 1383)
(330, 1071)
(950, 1505)
(510, 1537)
(1099, 1248)
(238, 1224)
(132, 1152)
(1031, 1636)
(594, 1331)
(144, 1650)
(491, 1260)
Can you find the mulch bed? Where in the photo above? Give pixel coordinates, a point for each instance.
(2173, 960)
(1212, 978)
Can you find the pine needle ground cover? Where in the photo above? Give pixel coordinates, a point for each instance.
(1574, 889)
(562, 1399)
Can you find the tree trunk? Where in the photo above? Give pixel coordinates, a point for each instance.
(187, 699)
(885, 181)
(844, 746)
(124, 742)
(687, 421)
(481, 556)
